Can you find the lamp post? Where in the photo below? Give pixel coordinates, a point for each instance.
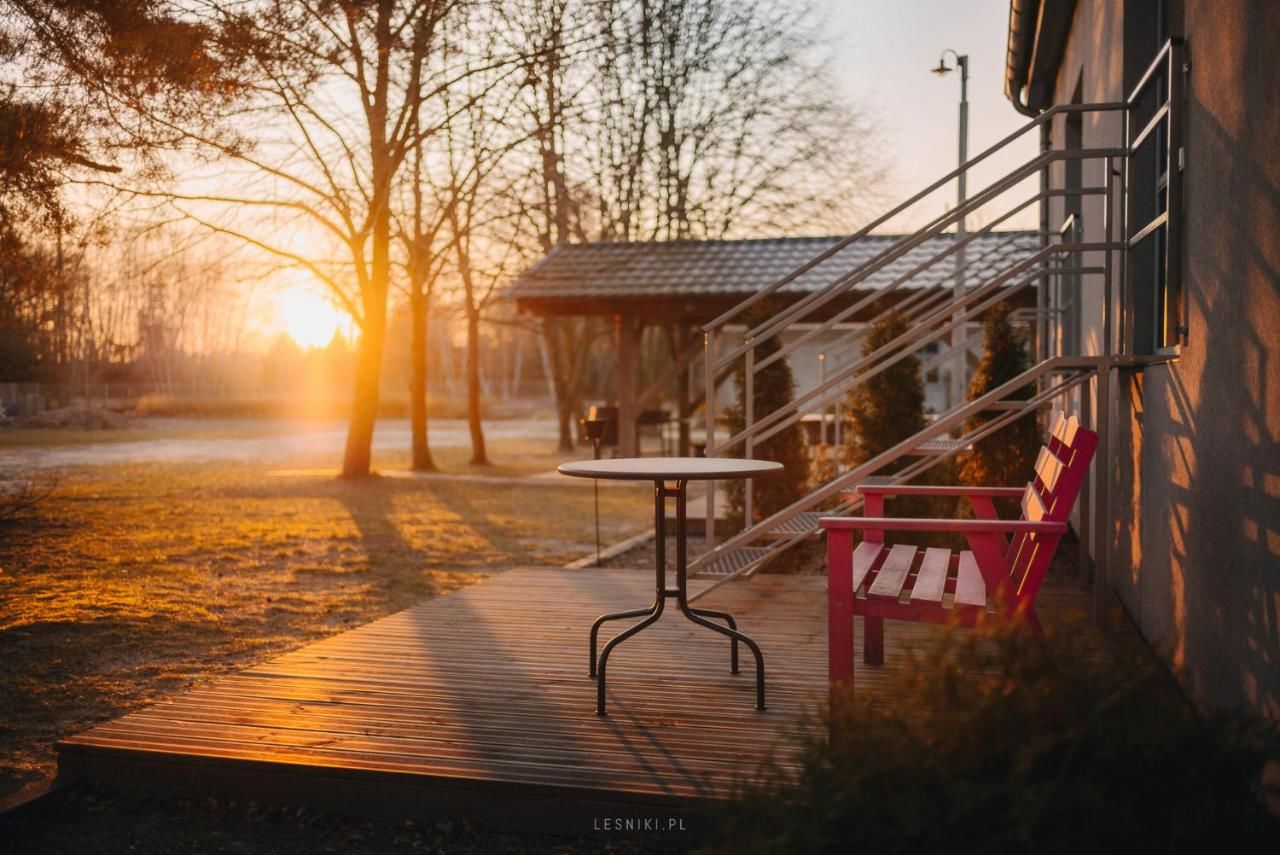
(593, 426)
(958, 337)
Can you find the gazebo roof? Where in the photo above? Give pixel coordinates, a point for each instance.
(713, 270)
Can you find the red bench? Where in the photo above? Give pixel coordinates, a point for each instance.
(1000, 573)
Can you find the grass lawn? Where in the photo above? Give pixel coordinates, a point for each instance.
(133, 581)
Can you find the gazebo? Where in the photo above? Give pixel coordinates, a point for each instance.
(684, 284)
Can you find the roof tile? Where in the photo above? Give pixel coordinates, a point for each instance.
(720, 267)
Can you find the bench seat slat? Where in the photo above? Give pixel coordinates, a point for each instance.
(931, 581)
(888, 583)
(971, 590)
(864, 558)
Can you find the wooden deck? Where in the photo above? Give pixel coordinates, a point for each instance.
(478, 704)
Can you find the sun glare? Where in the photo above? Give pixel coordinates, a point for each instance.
(307, 317)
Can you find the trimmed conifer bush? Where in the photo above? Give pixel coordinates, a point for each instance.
(1006, 457)
(775, 386)
(889, 407)
(883, 412)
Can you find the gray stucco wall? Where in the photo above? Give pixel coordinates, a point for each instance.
(1196, 468)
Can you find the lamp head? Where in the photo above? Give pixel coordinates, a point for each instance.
(943, 69)
(593, 428)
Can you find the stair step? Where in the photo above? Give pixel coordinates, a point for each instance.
(732, 562)
(941, 446)
(802, 523)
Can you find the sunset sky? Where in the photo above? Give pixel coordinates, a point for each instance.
(883, 52)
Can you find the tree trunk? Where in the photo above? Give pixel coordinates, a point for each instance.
(559, 383)
(422, 460)
(564, 419)
(358, 458)
(478, 455)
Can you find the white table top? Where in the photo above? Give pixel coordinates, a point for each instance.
(670, 468)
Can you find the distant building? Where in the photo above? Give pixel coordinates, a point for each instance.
(689, 282)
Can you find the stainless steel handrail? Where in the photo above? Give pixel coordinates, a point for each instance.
(905, 305)
(1047, 116)
(1083, 366)
(816, 299)
(937, 334)
(933, 318)
(878, 293)
(911, 340)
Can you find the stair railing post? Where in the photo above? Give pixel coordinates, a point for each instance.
(749, 417)
(1102, 487)
(1103, 526)
(1085, 502)
(959, 363)
(708, 445)
(1042, 296)
(1108, 228)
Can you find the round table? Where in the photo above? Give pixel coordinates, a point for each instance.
(671, 477)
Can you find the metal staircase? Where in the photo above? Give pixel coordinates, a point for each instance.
(941, 319)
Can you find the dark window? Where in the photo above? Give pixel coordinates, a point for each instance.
(1153, 301)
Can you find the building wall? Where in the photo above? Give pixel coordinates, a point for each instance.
(1196, 468)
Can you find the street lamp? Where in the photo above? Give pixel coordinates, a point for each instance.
(962, 62)
(958, 337)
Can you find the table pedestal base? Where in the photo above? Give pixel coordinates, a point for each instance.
(679, 593)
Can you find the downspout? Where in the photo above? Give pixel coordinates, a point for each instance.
(1038, 32)
(1023, 18)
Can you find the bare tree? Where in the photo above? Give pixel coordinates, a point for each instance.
(425, 257)
(341, 88)
(557, 37)
(722, 123)
(684, 119)
(478, 138)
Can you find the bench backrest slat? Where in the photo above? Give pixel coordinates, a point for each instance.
(1048, 469)
(1061, 468)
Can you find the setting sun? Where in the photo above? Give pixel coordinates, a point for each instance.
(307, 317)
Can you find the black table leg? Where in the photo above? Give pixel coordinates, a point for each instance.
(595, 627)
(680, 592)
(652, 613)
(682, 600)
(733, 642)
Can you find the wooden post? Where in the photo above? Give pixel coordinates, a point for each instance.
(684, 404)
(839, 609)
(628, 332)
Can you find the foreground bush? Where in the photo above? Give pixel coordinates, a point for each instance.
(1002, 743)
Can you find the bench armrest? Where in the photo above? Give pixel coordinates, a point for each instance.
(930, 490)
(958, 526)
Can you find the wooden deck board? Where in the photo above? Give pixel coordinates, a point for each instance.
(478, 702)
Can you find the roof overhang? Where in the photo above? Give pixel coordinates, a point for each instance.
(1038, 31)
